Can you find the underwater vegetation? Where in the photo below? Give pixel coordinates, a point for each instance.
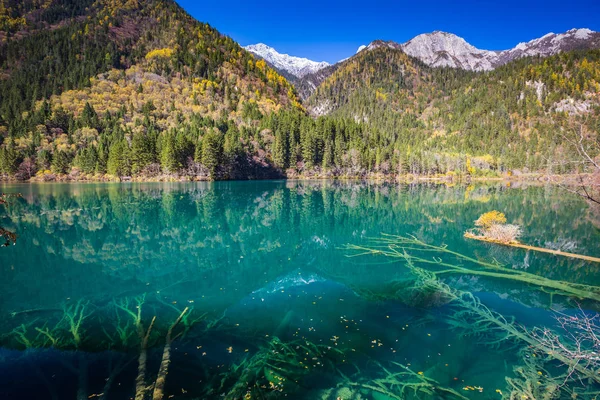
(276, 368)
(122, 329)
(444, 261)
(559, 362)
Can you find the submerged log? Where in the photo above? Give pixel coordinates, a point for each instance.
(140, 382)
(159, 386)
(519, 245)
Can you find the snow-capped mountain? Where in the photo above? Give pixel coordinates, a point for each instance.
(295, 66)
(442, 49)
(553, 43)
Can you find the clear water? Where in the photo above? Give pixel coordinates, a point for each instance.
(259, 264)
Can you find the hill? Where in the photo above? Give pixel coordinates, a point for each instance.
(126, 87)
(440, 120)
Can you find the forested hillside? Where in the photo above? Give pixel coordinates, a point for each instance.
(129, 88)
(520, 116)
(107, 89)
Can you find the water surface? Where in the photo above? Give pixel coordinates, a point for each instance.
(262, 269)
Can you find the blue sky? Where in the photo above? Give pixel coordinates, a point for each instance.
(332, 30)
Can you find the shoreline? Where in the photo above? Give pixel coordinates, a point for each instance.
(592, 180)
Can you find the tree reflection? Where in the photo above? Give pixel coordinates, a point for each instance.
(7, 236)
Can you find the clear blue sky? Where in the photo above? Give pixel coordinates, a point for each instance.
(325, 30)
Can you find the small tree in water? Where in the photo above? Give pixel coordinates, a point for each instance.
(487, 220)
(492, 225)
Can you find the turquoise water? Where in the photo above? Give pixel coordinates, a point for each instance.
(275, 307)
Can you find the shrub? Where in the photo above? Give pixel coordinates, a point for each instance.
(505, 233)
(485, 221)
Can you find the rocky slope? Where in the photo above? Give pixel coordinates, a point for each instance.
(442, 49)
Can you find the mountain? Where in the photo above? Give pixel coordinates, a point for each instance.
(441, 49)
(306, 85)
(129, 87)
(550, 44)
(421, 119)
(367, 76)
(296, 66)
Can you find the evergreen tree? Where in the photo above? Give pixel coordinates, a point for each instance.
(61, 162)
(143, 151)
(89, 117)
(86, 159)
(168, 156)
(118, 162)
(211, 152)
(184, 149)
(9, 159)
(281, 147)
(102, 160)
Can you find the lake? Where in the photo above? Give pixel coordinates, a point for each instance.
(293, 289)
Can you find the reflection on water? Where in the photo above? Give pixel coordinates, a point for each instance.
(250, 284)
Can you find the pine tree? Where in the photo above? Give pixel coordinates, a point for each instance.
(184, 149)
(102, 159)
(61, 162)
(281, 155)
(232, 148)
(86, 159)
(308, 148)
(89, 117)
(211, 152)
(118, 162)
(143, 151)
(168, 155)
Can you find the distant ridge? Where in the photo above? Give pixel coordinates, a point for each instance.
(444, 49)
(295, 66)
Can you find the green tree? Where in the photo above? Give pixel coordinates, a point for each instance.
(281, 148)
(212, 149)
(143, 151)
(118, 162)
(86, 159)
(184, 149)
(168, 154)
(8, 159)
(61, 162)
(89, 117)
(102, 158)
